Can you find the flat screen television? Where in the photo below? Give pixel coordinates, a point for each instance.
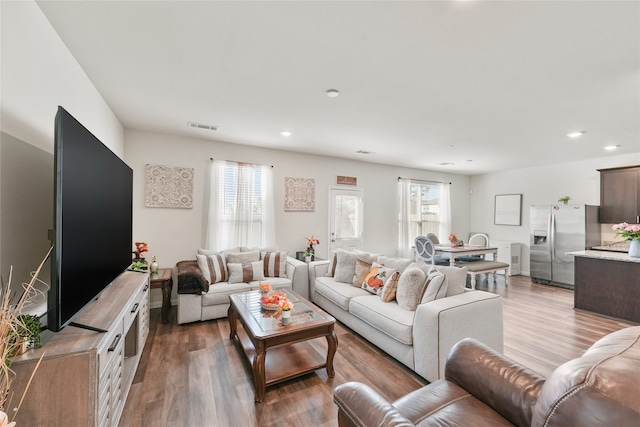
(92, 233)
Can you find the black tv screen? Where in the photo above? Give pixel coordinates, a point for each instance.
(93, 219)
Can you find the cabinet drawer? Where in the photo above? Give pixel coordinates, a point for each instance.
(108, 350)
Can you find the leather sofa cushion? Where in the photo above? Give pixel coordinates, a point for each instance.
(219, 292)
(337, 292)
(601, 387)
(386, 317)
(444, 403)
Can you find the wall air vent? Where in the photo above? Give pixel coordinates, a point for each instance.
(201, 126)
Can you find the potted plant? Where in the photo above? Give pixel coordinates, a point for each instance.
(564, 199)
(13, 324)
(307, 255)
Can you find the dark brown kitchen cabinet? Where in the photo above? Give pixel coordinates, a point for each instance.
(620, 195)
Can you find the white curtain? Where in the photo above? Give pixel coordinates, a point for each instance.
(445, 212)
(405, 241)
(237, 214)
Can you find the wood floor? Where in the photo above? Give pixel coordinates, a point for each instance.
(193, 375)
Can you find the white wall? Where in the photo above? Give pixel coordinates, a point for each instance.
(37, 73)
(176, 234)
(539, 185)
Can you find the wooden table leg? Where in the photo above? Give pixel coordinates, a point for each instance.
(233, 327)
(259, 380)
(332, 345)
(166, 300)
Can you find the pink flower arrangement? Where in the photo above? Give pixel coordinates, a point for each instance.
(627, 231)
(286, 305)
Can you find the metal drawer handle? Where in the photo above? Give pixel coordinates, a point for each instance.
(146, 287)
(135, 307)
(115, 342)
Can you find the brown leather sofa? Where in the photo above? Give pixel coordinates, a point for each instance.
(484, 388)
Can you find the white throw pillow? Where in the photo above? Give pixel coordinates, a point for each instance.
(410, 288)
(246, 272)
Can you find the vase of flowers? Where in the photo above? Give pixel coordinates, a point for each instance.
(141, 247)
(453, 239)
(629, 233)
(286, 307)
(310, 249)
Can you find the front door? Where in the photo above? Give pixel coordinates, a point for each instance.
(345, 218)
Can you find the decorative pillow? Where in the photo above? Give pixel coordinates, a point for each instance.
(242, 257)
(213, 267)
(226, 251)
(389, 289)
(377, 277)
(435, 288)
(366, 256)
(410, 288)
(456, 279)
(246, 272)
(345, 266)
(333, 260)
(275, 263)
(362, 269)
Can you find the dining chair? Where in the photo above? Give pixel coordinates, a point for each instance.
(425, 249)
(478, 239)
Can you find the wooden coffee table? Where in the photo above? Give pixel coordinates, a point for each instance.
(290, 354)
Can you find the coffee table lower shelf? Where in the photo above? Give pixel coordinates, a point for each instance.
(284, 362)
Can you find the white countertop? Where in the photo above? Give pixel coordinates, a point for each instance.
(614, 256)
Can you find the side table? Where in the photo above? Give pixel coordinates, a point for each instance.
(162, 279)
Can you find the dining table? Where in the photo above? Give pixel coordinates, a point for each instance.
(454, 252)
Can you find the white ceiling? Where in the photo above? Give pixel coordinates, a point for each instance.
(496, 82)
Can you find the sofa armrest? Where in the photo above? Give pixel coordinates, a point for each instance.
(438, 325)
(298, 273)
(506, 386)
(360, 406)
(316, 269)
(190, 278)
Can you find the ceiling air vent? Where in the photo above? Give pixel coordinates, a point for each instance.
(364, 152)
(445, 164)
(201, 126)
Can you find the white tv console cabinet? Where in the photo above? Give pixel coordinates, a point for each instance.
(85, 376)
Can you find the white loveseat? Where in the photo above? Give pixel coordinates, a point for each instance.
(205, 284)
(419, 339)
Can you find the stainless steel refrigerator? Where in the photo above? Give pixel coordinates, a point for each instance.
(556, 230)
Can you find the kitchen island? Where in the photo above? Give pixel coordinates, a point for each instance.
(607, 283)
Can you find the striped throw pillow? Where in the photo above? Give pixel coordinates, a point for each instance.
(213, 267)
(275, 263)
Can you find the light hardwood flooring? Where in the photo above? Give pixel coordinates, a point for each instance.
(193, 375)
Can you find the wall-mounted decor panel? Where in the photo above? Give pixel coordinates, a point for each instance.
(299, 194)
(168, 187)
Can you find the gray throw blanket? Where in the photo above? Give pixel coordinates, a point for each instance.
(190, 278)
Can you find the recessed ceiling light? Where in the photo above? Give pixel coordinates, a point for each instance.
(611, 147)
(285, 133)
(576, 134)
(332, 93)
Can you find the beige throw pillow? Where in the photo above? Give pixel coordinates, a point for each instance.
(410, 288)
(435, 288)
(389, 290)
(242, 257)
(362, 270)
(246, 272)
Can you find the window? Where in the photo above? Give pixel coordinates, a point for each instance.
(424, 208)
(240, 206)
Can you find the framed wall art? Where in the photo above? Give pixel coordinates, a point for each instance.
(168, 187)
(508, 209)
(299, 194)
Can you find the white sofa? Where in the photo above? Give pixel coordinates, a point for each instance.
(199, 300)
(419, 339)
